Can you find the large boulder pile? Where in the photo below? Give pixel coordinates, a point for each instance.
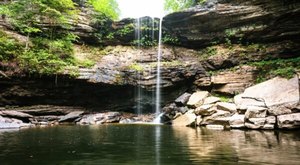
(268, 105)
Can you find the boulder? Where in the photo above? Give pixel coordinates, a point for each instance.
(277, 94)
(211, 100)
(187, 119)
(255, 112)
(255, 123)
(197, 99)
(215, 127)
(219, 118)
(8, 123)
(289, 121)
(72, 116)
(183, 99)
(206, 110)
(15, 114)
(230, 107)
(237, 121)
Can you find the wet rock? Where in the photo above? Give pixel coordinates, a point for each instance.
(237, 121)
(72, 116)
(215, 127)
(211, 100)
(15, 114)
(255, 112)
(230, 107)
(197, 99)
(100, 118)
(255, 123)
(183, 99)
(126, 121)
(289, 121)
(188, 119)
(46, 110)
(206, 110)
(8, 123)
(198, 120)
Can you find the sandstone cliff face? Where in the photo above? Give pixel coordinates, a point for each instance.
(248, 21)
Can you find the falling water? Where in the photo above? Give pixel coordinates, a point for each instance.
(158, 78)
(139, 90)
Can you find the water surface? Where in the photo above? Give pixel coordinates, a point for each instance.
(146, 144)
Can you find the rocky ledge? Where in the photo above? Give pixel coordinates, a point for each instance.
(237, 20)
(126, 65)
(46, 115)
(272, 104)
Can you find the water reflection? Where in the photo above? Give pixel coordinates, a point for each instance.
(238, 146)
(147, 144)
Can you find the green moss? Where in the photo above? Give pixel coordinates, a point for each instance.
(207, 52)
(136, 67)
(223, 98)
(279, 67)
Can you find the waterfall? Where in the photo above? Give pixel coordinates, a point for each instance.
(138, 88)
(158, 76)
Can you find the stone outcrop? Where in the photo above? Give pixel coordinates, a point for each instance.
(261, 21)
(130, 66)
(251, 109)
(289, 121)
(277, 94)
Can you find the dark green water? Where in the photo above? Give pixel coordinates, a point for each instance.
(146, 144)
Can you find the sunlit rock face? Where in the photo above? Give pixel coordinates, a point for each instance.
(237, 20)
(138, 67)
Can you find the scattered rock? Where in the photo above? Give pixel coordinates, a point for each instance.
(289, 121)
(197, 99)
(206, 110)
(220, 118)
(211, 100)
(255, 112)
(237, 121)
(255, 123)
(72, 116)
(183, 99)
(187, 119)
(230, 107)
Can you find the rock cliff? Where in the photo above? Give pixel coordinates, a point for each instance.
(237, 20)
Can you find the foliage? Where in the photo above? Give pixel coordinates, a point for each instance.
(223, 98)
(28, 16)
(9, 47)
(109, 8)
(207, 52)
(169, 39)
(145, 41)
(280, 67)
(177, 5)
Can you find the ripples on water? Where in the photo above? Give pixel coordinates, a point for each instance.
(146, 144)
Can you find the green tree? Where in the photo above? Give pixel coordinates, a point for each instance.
(32, 16)
(109, 8)
(177, 5)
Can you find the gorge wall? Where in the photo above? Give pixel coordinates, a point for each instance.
(218, 47)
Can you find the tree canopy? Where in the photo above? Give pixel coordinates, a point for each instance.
(177, 5)
(107, 7)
